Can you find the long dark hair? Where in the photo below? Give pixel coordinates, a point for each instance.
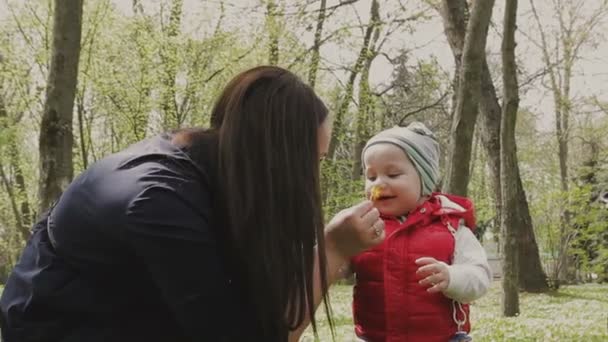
(267, 120)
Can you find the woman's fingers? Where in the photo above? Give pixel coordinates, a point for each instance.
(356, 229)
(370, 217)
(377, 232)
(361, 209)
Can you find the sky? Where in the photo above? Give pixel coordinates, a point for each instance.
(591, 72)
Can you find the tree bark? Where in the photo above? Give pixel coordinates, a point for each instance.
(316, 53)
(56, 138)
(16, 189)
(16, 193)
(13, 201)
(532, 277)
(362, 129)
(80, 110)
(172, 117)
(468, 93)
(273, 32)
(27, 217)
(454, 19)
(338, 128)
(490, 116)
(509, 167)
(455, 26)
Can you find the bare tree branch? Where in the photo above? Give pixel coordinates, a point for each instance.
(422, 109)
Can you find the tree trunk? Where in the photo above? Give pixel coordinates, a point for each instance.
(454, 19)
(338, 129)
(56, 138)
(490, 116)
(563, 138)
(27, 217)
(455, 26)
(25, 233)
(273, 32)
(362, 122)
(468, 93)
(316, 53)
(532, 277)
(80, 110)
(17, 192)
(362, 130)
(172, 118)
(509, 168)
(139, 121)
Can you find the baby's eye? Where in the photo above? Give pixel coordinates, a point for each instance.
(394, 175)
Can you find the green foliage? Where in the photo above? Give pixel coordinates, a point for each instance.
(339, 190)
(149, 70)
(590, 233)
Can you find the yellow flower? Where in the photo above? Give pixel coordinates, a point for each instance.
(375, 193)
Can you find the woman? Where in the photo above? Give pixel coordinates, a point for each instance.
(198, 235)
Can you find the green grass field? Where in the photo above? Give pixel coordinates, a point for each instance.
(574, 313)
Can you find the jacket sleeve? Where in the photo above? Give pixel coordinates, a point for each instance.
(470, 273)
(172, 239)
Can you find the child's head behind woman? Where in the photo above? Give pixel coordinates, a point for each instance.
(401, 167)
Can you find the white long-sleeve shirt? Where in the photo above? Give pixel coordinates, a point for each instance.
(470, 273)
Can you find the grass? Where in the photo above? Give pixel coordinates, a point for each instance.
(574, 313)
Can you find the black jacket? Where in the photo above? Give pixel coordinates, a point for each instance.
(130, 252)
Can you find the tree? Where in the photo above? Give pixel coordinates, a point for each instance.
(316, 53)
(362, 120)
(467, 99)
(574, 31)
(172, 117)
(509, 169)
(56, 139)
(84, 119)
(15, 186)
(531, 277)
(339, 129)
(273, 15)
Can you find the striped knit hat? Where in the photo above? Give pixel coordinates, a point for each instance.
(419, 144)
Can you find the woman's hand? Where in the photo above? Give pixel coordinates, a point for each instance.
(354, 230)
(434, 274)
(350, 232)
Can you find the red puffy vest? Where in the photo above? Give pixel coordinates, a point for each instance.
(388, 303)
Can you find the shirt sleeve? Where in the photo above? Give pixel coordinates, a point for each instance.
(470, 273)
(172, 239)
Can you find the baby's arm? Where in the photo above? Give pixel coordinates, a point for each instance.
(470, 274)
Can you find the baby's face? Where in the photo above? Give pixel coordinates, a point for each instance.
(391, 180)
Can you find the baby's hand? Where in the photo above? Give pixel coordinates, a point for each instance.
(433, 273)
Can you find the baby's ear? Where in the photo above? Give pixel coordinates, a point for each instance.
(420, 128)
